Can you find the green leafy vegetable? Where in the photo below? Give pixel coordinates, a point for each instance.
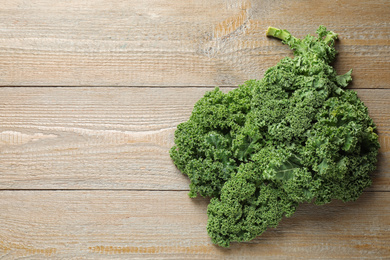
(297, 135)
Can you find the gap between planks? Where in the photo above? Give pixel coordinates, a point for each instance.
(92, 189)
(162, 87)
(133, 190)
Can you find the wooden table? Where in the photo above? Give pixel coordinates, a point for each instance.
(92, 92)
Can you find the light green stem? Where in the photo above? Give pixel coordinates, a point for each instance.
(278, 33)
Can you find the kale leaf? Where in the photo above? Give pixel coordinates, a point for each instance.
(297, 135)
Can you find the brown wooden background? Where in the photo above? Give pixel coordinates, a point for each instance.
(92, 92)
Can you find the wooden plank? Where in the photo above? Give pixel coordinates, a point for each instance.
(169, 225)
(115, 138)
(180, 43)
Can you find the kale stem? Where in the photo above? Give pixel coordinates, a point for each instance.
(278, 33)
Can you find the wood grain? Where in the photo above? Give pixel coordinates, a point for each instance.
(91, 93)
(180, 43)
(115, 138)
(168, 224)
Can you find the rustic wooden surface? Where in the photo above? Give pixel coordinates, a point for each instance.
(91, 93)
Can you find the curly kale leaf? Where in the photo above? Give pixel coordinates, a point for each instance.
(204, 150)
(297, 135)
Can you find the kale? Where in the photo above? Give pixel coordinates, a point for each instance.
(297, 135)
